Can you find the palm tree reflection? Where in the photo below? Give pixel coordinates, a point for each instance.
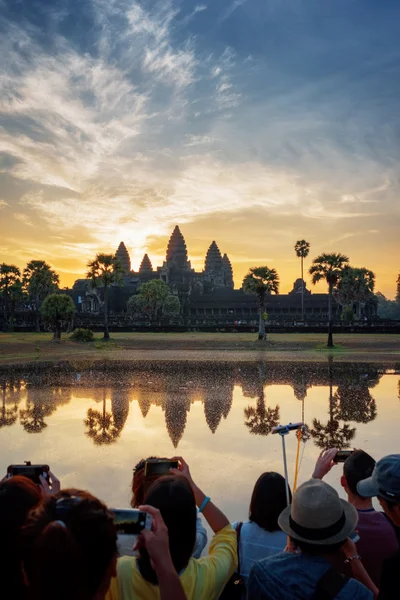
(261, 419)
(101, 426)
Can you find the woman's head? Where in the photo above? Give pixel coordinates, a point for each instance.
(174, 498)
(18, 496)
(69, 547)
(268, 501)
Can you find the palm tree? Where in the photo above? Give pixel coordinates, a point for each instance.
(261, 281)
(8, 416)
(104, 271)
(302, 248)
(9, 277)
(101, 425)
(39, 281)
(355, 285)
(262, 419)
(330, 268)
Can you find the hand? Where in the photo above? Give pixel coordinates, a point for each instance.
(290, 547)
(349, 548)
(324, 463)
(49, 486)
(182, 470)
(156, 541)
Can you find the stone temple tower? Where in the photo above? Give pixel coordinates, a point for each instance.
(228, 272)
(214, 266)
(177, 251)
(145, 265)
(123, 256)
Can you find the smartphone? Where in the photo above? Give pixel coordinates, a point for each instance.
(131, 521)
(30, 471)
(155, 467)
(342, 455)
(354, 537)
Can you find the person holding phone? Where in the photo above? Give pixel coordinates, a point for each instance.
(377, 536)
(69, 549)
(176, 497)
(145, 473)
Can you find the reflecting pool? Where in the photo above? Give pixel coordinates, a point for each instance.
(92, 424)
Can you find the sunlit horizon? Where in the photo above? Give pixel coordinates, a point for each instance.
(249, 122)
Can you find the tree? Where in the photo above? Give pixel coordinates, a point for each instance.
(302, 248)
(154, 300)
(398, 288)
(354, 285)
(262, 419)
(105, 270)
(8, 416)
(332, 434)
(39, 281)
(261, 281)
(56, 310)
(387, 309)
(330, 268)
(101, 425)
(9, 278)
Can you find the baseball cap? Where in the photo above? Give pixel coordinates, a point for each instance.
(384, 481)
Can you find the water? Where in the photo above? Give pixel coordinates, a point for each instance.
(93, 424)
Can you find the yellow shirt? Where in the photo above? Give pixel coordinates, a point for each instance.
(203, 579)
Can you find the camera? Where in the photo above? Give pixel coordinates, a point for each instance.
(342, 455)
(131, 521)
(30, 471)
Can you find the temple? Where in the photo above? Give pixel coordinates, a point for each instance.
(206, 297)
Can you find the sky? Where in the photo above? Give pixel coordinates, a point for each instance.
(254, 123)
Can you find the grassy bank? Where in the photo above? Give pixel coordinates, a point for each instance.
(27, 347)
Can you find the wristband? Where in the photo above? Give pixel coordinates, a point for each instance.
(204, 503)
(350, 558)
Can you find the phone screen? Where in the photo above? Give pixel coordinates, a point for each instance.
(129, 521)
(342, 455)
(159, 467)
(30, 471)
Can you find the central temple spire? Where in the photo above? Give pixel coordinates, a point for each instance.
(176, 251)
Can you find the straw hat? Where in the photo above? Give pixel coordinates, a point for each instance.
(317, 515)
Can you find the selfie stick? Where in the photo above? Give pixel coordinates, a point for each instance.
(284, 430)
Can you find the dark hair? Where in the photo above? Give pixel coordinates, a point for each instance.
(317, 550)
(268, 500)
(174, 498)
(358, 466)
(138, 491)
(18, 496)
(69, 541)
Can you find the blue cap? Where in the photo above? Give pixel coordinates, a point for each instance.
(384, 481)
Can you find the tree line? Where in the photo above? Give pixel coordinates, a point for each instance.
(37, 288)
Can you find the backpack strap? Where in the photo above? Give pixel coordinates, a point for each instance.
(329, 585)
(238, 530)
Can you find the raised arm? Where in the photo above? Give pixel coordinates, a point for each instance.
(157, 545)
(213, 515)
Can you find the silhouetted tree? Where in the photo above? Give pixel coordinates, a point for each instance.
(302, 248)
(330, 268)
(57, 310)
(9, 282)
(261, 281)
(354, 286)
(8, 415)
(154, 300)
(262, 419)
(105, 270)
(39, 281)
(101, 425)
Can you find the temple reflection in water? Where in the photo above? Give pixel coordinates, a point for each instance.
(30, 396)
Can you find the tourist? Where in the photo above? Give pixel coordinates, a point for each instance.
(378, 539)
(261, 536)
(318, 523)
(176, 497)
(69, 550)
(126, 542)
(18, 496)
(385, 484)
